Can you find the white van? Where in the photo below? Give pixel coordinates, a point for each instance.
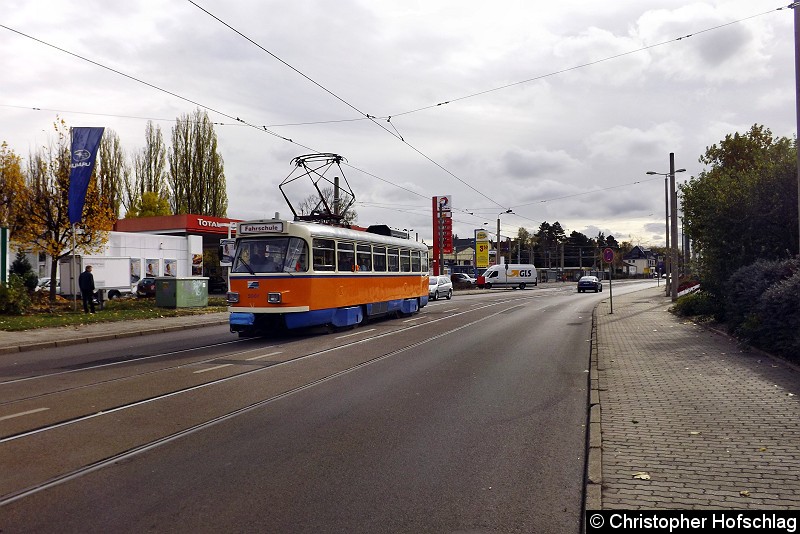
(508, 275)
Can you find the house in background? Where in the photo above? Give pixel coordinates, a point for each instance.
(640, 261)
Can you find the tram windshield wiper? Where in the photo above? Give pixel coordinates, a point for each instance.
(241, 260)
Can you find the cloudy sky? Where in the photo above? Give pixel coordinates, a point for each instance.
(555, 110)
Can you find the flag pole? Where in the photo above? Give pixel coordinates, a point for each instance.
(72, 273)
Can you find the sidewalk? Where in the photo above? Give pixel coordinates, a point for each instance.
(683, 417)
(43, 338)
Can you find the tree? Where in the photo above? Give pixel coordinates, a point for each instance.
(579, 250)
(196, 173)
(150, 205)
(549, 238)
(44, 225)
(524, 245)
(112, 170)
(312, 202)
(744, 207)
(149, 170)
(12, 182)
(22, 268)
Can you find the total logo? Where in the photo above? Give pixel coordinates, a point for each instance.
(212, 224)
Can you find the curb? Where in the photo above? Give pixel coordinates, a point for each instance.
(27, 347)
(594, 463)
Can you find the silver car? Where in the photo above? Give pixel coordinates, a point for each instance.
(440, 286)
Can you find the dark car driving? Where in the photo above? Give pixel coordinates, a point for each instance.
(462, 279)
(589, 283)
(217, 284)
(146, 287)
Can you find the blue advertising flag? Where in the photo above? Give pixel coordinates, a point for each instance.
(85, 142)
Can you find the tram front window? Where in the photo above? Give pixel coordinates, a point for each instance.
(271, 255)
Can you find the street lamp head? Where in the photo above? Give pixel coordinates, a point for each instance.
(681, 170)
(652, 172)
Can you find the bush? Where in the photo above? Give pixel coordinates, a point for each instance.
(14, 297)
(697, 303)
(22, 267)
(746, 287)
(777, 318)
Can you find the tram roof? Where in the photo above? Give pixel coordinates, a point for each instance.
(324, 230)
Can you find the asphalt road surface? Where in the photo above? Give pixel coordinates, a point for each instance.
(467, 417)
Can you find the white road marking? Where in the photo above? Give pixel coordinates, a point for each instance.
(20, 414)
(264, 356)
(355, 333)
(213, 368)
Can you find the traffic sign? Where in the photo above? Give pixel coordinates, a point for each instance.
(608, 255)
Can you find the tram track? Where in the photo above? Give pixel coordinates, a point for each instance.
(150, 444)
(142, 359)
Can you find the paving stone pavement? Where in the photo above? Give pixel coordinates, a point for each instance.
(714, 424)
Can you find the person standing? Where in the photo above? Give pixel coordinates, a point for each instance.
(86, 284)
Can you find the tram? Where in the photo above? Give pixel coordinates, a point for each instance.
(295, 274)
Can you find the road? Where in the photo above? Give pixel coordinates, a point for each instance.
(468, 417)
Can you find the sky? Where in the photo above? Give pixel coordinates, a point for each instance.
(554, 110)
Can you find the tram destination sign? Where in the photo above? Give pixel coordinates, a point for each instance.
(261, 227)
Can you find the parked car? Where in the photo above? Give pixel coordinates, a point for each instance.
(217, 284)
(587, 283)
(462, 279)
(440, 286)
(146, 287)
(44, 285)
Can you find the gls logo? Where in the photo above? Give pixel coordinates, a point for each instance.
(522, 272)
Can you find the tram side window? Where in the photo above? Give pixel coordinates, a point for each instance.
(393, 257)
(364, 257)
(405, 261)
(296, 256)
(324, 255)
(346, 257)
(415, 263)
(424, 265)
(379, 257)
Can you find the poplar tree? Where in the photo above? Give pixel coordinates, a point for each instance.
(196, 170)
(112, 170)
(149, 171)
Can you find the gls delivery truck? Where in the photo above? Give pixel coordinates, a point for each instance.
(508, 275)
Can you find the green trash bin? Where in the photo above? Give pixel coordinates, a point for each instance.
(182, 292)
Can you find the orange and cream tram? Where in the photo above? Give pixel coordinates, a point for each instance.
(296, 274)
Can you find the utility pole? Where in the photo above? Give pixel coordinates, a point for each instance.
(796, 7)
(674, 227)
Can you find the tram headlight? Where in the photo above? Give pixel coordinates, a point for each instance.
(274, 298)
(232, 297)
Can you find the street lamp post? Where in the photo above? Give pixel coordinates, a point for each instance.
(672, 244)
(497, 254)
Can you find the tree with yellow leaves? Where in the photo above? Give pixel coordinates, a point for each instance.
(12, 182)
(42, 225)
